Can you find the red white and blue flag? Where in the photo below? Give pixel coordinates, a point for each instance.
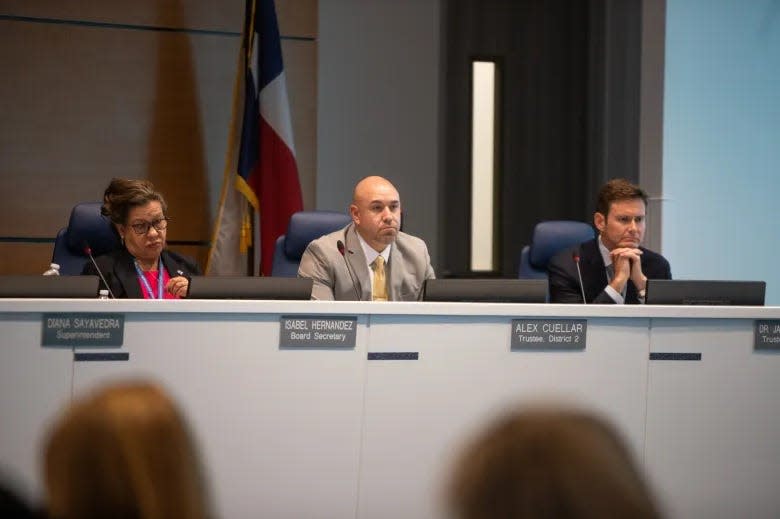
(267, 174)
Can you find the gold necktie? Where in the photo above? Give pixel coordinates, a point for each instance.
(379, 287)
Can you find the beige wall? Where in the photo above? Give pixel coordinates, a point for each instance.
(94, 90)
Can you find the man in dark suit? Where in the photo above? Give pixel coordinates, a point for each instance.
(615, 268)
(370, 259)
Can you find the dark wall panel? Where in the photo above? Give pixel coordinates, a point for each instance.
(568, 113)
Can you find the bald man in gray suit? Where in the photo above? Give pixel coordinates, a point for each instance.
(342, 263)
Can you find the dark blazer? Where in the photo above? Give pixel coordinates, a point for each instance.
(408, 268)
(564, 284)
(117, 266)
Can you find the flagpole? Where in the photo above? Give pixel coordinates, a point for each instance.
(229, 171)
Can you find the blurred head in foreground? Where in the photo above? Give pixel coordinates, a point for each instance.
(552, 463)
(123, 452)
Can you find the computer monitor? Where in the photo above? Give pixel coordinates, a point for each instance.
(249, 287)
(705, 292)
(486, 290)
(37, 286)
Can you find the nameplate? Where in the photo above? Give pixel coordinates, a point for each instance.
(767, 335)
(549, 334)
(83, 329)
(317, 331)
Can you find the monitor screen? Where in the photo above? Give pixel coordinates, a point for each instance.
(486, 290)
(249, 287)
(703, 292)
(49, 286)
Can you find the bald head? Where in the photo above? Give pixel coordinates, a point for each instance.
(368, 186)
(376, 211)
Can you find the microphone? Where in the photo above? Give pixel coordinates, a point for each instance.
(576, 257)
(88, 252)
(340, 245)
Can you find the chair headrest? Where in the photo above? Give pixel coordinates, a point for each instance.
(555, 235)
(88, 226)
(306, 226)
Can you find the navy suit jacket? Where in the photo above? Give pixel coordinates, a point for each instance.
(117, 266)
(564, 283)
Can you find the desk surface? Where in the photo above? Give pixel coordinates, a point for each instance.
(331, 433)
(12, 306)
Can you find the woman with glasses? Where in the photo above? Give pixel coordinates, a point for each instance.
(141, 268)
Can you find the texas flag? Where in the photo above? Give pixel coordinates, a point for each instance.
(267, 174)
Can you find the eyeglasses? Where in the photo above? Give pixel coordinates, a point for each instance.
(143, 227)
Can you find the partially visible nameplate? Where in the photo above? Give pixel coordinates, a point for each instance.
(767, 335)
(83, 329)
(301, 331)
(549, 334)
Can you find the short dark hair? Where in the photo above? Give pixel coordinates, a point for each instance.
(123, 194)
(548, 462)
(615, 190)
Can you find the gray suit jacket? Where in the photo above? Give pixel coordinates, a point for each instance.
(408, 268)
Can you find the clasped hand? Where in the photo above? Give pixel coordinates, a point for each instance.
(628, 265)
(178, 286)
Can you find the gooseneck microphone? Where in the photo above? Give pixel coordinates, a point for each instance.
(342, 251)
(88, 252)
(576, 257)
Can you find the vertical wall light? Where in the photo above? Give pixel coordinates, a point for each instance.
(483, 133)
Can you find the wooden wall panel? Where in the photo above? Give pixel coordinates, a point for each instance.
(34, 258)
(225, 15)
(296, 17)
(93, 104)
(82, 104)
(25, 258)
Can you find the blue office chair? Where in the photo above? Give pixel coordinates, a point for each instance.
(548, 239)
(304, 227)
(86, 226)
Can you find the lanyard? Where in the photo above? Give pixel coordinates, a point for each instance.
(145, 282)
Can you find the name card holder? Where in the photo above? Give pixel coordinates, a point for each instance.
(82, 329)
(549, 334)
(301, 331)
